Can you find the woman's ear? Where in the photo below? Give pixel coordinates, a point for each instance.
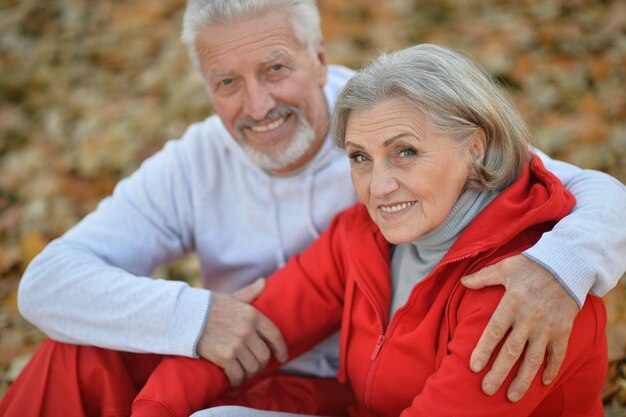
(478, 146)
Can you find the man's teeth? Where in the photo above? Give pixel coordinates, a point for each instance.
(398, 207)
(270, 126)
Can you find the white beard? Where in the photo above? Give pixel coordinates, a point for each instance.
(300, 144)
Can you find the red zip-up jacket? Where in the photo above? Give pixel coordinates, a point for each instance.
(417, 364)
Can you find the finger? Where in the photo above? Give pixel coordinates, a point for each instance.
(556, 356)
(533, 358)
(234, 372)
(224, 354)
(273, 338)
(485, 277)
(260, 350)
(248, 362)
(508, 355)
(250, 292)
(493, 334)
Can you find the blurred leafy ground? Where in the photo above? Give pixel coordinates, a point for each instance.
(89, 88)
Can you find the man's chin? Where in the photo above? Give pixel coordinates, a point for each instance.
(272, 161)
(273, 148)
(281, 154)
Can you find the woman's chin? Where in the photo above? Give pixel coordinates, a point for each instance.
(396, 238)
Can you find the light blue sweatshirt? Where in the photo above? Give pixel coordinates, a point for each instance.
(200, 193)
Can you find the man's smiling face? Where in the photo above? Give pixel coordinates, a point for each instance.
(266, 87)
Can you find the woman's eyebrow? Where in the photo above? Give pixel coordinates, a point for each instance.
(386, 142)
(399, 136)
(355, 145)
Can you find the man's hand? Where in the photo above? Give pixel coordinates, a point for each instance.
(540, 314)
(237, 337)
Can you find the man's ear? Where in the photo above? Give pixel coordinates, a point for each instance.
(322, 61)
(478, 145)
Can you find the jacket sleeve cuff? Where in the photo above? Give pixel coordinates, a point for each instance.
(147, 408)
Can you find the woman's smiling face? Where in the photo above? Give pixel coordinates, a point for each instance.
(407, 173)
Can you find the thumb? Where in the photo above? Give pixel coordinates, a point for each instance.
(250, 292)
(485, 277)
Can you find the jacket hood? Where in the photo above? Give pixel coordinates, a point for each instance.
(536, 198)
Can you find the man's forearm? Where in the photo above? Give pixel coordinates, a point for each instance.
(75, 297)
(585, 250)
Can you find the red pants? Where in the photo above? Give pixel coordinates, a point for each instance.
(83, 381)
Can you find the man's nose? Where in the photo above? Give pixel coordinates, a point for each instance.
(258, 100)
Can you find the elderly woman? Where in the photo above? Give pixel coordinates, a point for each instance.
(441, 164)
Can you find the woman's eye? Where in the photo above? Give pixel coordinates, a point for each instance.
(408, 152)
(358, 157)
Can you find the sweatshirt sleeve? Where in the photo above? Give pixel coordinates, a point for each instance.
(91, 286)
(303, 299)
(455, 387)
(585, 250)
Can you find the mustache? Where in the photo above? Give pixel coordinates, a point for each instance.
(275, 113)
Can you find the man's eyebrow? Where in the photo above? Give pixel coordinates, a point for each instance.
(224, 73)
(273, 57)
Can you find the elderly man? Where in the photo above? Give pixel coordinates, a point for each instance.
(246, 189)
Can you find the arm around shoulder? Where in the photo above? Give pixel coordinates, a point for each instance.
(577, 387)
(585, 250)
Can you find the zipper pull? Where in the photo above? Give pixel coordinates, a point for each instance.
(379, 345)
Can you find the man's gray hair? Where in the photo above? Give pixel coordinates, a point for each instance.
(304, 15)
(457, 95)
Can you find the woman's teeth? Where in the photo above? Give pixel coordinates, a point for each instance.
(397, 207)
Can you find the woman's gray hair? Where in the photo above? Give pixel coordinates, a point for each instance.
(304, 16)
(457, 95)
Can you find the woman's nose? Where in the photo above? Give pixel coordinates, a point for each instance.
(383, 182)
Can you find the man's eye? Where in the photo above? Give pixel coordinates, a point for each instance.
(226, 81)
(277, 67)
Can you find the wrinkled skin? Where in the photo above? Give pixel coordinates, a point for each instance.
(539, 312)
(238, 338)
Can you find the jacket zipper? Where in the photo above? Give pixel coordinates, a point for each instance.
(370, 371)
(379, 344)
(383, 333)
(435, 269)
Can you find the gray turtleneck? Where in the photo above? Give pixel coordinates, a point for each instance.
(412, 262)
